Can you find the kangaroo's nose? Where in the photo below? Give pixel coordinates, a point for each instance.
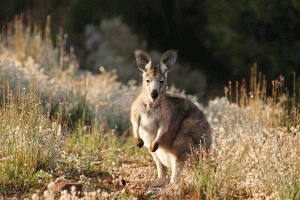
(154, 94)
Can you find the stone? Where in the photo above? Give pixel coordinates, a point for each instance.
(67, 186)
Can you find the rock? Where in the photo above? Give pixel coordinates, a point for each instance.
(68, 186)
(105, 194)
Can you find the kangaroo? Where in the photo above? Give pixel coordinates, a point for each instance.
(169, 126)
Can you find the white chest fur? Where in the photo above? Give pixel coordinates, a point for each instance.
(148, 127)
(149, 124)
(150, 121)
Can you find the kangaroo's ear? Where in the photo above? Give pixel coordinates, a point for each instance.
(168, 60)
(143, 60)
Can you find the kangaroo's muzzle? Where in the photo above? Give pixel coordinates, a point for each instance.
(154, 95)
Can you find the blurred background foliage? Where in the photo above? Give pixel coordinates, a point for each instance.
(222, 38)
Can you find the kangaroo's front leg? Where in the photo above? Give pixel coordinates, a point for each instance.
(135, 126)
(161, 131)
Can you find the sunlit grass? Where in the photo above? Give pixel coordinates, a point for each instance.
(29, 141)
(58, 123)
(255, 145)
(27, 53)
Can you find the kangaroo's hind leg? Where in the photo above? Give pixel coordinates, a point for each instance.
(181, 149)
(177, 167)
(161, 169)
(200, 131)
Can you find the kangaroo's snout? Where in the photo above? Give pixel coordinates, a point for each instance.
(154, 94)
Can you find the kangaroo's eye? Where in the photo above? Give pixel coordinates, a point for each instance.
(148, 81)
(161, 82)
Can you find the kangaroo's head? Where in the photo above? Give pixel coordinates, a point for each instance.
(155, 76)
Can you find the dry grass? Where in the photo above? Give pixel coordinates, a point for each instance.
(29, 141)
(255, 146)
(59, 80)
(254, 153)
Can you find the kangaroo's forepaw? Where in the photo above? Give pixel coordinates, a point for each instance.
(153, 147)
(139, 142)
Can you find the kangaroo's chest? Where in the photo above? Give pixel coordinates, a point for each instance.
(149, 125)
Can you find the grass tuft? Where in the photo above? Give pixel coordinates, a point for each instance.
(29, 141)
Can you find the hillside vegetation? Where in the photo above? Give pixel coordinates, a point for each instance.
(59, 123)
